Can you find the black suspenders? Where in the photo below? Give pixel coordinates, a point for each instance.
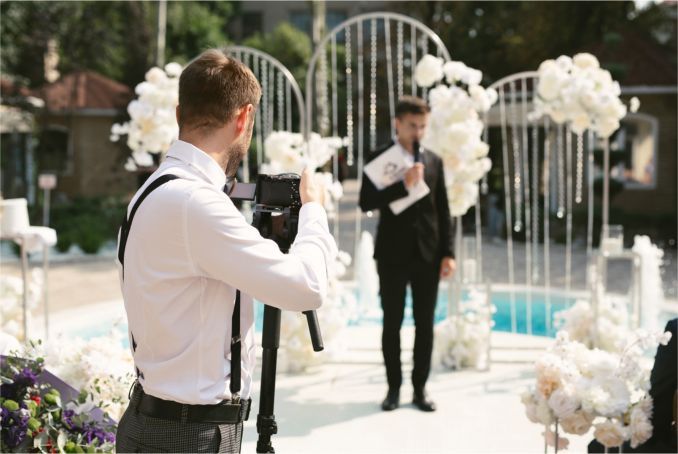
(236, 343)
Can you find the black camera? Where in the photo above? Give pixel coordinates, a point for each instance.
(277, 204)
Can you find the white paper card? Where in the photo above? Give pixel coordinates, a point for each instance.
(389, 168)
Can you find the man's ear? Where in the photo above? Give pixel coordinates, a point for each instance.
(241, 119)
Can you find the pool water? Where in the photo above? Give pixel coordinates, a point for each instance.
(502, 317)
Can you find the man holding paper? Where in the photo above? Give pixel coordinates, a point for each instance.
(413, 244)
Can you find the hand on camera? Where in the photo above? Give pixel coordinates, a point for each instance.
(414, 175)
(310, 190)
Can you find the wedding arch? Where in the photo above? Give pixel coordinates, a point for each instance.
(282, 102)
(354, 79)
(548, 175)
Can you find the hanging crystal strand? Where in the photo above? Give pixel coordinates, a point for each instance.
(321, 90)
(547, 212)
(590, 193)
(335, 130)
(517, 168)
(349, 97)
(561, 173)
(373, 84)
(399, 58)
(507, 204)
(288, 105)
(264, 96)
(580, 168)
(525, 162)
(281, 102)
(413, 55)
(271, 97)
(484, 187)
(568, 220)
(258, 118)
(424, 51)
(535, 200)
(361, 128)
(389, 73)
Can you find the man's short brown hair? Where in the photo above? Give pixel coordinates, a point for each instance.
(411, 105)
(212, 88)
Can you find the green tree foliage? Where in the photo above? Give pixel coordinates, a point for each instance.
(503, 38)
(117, 39)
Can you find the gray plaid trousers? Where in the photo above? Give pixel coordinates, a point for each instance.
(141, 433)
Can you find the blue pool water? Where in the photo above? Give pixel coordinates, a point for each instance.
(500, 299)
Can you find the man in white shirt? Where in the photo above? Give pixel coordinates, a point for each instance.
(189, 249)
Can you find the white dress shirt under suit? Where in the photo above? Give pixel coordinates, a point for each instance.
(189, 249)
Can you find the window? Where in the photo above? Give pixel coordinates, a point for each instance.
(53, 154)
(633, 152)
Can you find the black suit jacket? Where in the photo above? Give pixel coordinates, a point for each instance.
(423, 230)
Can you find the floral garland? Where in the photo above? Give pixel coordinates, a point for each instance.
(35, 417)
(576, 90)
(578, 388)
(153, 125)
(462, 340)
(455, 129)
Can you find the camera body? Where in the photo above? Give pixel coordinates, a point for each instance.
(277, 204)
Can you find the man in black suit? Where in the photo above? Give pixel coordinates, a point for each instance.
(412, 247)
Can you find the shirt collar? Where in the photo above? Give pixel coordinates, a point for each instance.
(199, 160)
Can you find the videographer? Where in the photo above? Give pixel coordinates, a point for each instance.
(188, 251)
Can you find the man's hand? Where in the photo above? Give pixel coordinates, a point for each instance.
(414, 174)
(447, 267)
(309, 189)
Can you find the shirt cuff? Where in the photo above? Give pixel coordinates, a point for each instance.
(311, 210)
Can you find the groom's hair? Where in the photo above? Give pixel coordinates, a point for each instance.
(212, 88)
(411, 105)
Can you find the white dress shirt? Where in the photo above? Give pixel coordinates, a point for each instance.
(189, 249)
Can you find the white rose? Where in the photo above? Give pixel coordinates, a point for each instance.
(173, 69)
(585, 60)
(634, 104)
(547, 65)
(472, 76)
(550, 83)
(640, 427)
(606, 127)
(610, 433)
(454, 71)
(577, 423)
(156, 75)
(581, 123)
(428, 71)
(481, 150)
(564, 62)
(563, 402)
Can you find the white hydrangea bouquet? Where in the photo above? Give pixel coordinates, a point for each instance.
(297, 350)
(463, 340)
(288, 152)
(576, 90)
(152, 126)
(455, 128)
(578, 388)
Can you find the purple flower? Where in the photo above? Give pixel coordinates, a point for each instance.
(91, 432)
(26, 378)
(67, 417)
(14, 426)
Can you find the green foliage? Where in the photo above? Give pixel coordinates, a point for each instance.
(87, 222)
(289, 45)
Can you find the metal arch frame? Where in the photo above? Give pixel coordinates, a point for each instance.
(433, 36)
(283, 69)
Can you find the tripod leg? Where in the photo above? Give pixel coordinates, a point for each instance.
(266, 425)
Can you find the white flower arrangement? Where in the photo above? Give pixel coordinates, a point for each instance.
(612, 331)
(455, 129)
(579, 92)
(153, 126)
(462, 340)
(288, 152)
(11, 301)
(579, 388)
(101, 366)
(297, 350)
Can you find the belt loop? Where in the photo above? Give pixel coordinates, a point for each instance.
(184, 413)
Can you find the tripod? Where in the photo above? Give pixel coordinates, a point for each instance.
(266, 425)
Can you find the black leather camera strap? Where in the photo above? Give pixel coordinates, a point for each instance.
(236, 343)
